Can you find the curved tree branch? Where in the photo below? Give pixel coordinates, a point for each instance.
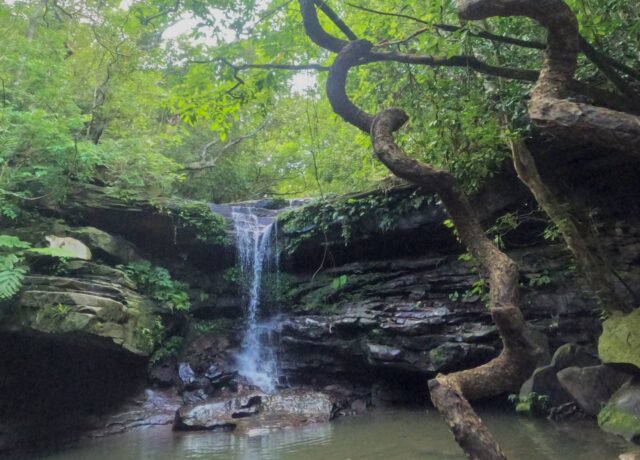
(337, 81)
(211, 163)
(314, 29)
(549, 109)
(520, 352)
(336, 19)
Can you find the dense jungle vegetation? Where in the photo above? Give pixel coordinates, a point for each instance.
(161, 97)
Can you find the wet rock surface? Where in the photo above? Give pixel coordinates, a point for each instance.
(620, 340)
(151, 407)
(544, 381)
(100, 308)
(591, 387)
(621, 415)
(257, 411)
(423, 316)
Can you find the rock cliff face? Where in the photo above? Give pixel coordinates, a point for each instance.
(423, 316)
(97, 308)
(371, 319)
(399, 306)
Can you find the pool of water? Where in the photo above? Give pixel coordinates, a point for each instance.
(378, 435)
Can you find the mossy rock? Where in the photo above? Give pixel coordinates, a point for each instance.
(620, 339)
(621, 415)
(617, 421)
(86, 308)
(115, 248)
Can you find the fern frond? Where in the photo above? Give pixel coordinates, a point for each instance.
(13, 242)
(11, 281)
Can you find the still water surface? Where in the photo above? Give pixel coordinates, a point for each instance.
(378, 435)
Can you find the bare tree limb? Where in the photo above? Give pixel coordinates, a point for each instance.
(601, 60)
(549, 107)
(344, 28)
(314, 29)
(454, 28)
(208, 164)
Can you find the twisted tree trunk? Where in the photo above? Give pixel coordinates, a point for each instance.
(577, 235)
(548, 109)
(520, 353)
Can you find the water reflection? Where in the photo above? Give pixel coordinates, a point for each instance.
(379, 435)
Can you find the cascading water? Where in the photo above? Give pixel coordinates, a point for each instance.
(257, 360)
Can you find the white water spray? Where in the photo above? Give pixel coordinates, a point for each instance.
(257, 360)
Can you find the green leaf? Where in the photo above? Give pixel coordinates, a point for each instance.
(52, 252)
(12, 242)
(11, 281)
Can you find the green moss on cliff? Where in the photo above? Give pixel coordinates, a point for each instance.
(344, 217)
(197, 218)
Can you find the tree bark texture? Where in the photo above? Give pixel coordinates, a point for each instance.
(520, 352)
(549, 107)
(578, 237)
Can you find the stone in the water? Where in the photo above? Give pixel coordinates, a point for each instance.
(359, 406)
(311, 406)
(592, 386)
(205, 416)
(630, 456)
(544, 380)
(621, 415)
(566, 412)
(251, 412)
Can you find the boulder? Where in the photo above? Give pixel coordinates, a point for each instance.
(621, 415)
(206, 416)
(149, 408)
(186, 374)
(309, 406)
(544, 380)
(115, 248)
(257, 410)
(620, 339)
(92, 309)
(592, 386)
(73, 246)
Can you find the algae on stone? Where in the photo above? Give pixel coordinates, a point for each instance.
(620, 339)
(617, 421)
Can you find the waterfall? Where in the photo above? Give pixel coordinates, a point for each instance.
(257, 360)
